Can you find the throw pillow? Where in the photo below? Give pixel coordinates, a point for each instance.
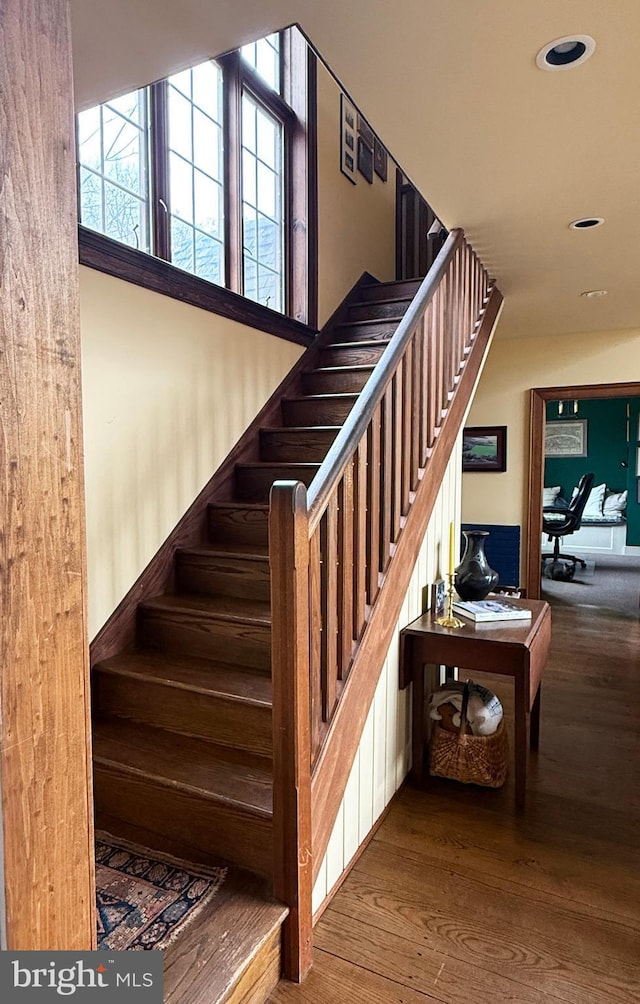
(614, 503)
(549, 495)
(595, 502)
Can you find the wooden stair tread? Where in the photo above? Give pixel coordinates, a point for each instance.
(324, 397)
(201, 675)
(302, 428)
(355, 368)
(261, 465)
(379, 300)
(232, 608)
(211, 772)
(370, 320)
(371, 344)
(216, 952)
(218, 551)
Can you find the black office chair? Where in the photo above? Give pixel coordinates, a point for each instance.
(566, 521)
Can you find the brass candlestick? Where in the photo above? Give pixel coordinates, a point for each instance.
(448, 619)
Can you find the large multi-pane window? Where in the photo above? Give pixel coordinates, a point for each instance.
(262, 204)
(196, 171)
(193, 168)
(113, 156)
(263, 56)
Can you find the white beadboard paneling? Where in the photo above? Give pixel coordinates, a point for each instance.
(352, 811)
(383, 756)
(320, 890)
(367, 762)
(335, 860)
(379, 747)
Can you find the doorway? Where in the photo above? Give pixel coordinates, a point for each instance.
(564, 398)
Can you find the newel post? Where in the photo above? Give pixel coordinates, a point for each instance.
(289, 561)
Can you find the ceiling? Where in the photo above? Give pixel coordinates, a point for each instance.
(508, 152)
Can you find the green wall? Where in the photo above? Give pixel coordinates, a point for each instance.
(612, 451)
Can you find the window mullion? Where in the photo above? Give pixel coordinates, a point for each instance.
(232, 133)
(160, 170)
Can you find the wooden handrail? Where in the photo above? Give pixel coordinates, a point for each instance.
(354, 428)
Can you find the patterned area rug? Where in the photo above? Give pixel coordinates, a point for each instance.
(144, 902)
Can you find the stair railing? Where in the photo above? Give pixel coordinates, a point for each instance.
(331, 548)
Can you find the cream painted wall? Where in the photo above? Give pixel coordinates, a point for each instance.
(356, 228)
(514, 366)
(384, 754)
(168, 389)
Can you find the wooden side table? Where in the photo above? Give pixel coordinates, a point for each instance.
(507, 648)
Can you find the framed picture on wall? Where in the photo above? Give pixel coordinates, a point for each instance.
(348, 139)
(484, 448)
(365, 160)
(566, 439)
(379, 159)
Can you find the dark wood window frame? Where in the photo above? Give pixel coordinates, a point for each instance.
(297, 111)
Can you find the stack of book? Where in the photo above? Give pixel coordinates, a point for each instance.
(491, 610)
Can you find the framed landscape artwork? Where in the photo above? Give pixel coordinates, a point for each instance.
(484, 448)
(566, 439)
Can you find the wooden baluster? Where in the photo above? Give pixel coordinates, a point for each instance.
(408, 448)
(373, 505)
(469, 296)
(462, 338)
(315, 641)
(440, 345)
(397, 493)
(329, 599)
(386, 485)
(422, 368)
(429, 392)
(360, 539)
(292, 871)
(345, 572)
(416, 406)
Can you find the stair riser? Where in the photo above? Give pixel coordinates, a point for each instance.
(296, 445)
(254, 485)
(237, 724)
(317, 382)
(352, 356)
(196, 823)
(385, 291)
(231, 576)
(314, 412)
(369, 311)
(245, 527)
(374, 332)
(207, 638)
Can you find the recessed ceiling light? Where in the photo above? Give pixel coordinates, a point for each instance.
(587, 223)
(563, 53)
(594, 294)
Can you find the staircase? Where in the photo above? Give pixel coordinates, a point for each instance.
(231, 685)
(182, 731)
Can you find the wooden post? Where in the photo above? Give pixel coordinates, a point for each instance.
(44, 748)
(289, 559)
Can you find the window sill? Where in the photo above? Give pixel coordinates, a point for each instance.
(123, 262)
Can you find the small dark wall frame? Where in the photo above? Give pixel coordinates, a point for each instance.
(484, 449)
(348, 138)
(365, 160)
(379, 159)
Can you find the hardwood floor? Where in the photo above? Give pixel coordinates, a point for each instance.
(460, 899)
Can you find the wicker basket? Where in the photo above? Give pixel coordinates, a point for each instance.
(469, 759)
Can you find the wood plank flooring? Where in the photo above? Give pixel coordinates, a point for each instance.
(460, 899)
